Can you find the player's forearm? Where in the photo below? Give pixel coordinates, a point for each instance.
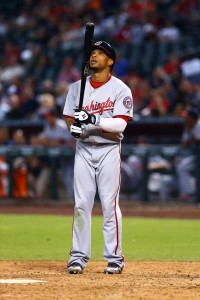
(111, 124)
(69, 122)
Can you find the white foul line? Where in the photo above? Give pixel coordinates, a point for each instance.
(14, 281)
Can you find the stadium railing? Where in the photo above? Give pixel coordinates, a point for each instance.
(11, 152)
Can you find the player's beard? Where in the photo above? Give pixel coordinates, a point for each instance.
(94, 69)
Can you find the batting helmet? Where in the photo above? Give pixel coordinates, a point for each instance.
(107, 48)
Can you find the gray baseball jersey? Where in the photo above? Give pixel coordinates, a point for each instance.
(97, 164)
(110, 100)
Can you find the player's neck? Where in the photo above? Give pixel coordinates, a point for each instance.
(100, 77)
(97, 84)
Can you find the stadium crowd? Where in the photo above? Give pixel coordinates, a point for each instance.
(157, 45)
(41, 52)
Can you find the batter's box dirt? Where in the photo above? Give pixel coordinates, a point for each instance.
(148, 280)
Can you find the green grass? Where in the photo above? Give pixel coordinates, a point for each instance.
(41, 237)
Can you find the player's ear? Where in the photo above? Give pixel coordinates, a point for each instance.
(110, 62)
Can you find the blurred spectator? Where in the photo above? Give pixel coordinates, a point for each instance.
(15, 111)
(142, 94)
(3, 26)
(124, 35)
(12, 69)
(20, 169)
(4, 136)
(186, 165)
(159, 77)
(196, 99)
(35, 166)
(4, 141)
(121, 66)
(45, 103)
(4, 107)
(72, 36)
(172, 69)
(137, 9)
(47, 87)
(54, 134)
(68, 73)
(11, 52)
(45, 98)
(3, 177)
(184, 7)
(18, 138)
(42, 67)
(159, 103)
(60, 96)
(190, 68)
(150, 26)
(169, 32)
(112, 23)
(20, 178)
(29, 102)
(159, 182)
(133, 80)
(173, 64)
(185, 93)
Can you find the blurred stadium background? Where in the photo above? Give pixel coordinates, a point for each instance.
(158, 50)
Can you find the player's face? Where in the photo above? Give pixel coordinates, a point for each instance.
(99, 60)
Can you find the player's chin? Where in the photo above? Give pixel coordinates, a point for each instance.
(93, 68)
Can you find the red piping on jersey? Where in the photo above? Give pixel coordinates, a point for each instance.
(116, 220)
(66, 116)
(125, 118)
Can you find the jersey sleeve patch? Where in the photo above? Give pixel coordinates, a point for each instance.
(127, 102)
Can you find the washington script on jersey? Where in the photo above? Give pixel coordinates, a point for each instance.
(99, 107)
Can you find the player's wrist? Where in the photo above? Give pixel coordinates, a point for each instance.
(97, 121)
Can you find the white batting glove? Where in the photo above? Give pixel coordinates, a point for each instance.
(76, 130)
(83, 117)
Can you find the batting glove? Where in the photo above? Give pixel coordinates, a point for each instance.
(76, 130)
(83, 117)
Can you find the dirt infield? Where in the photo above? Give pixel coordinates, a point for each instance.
(149, 280)
(128, 208)
(139, 280)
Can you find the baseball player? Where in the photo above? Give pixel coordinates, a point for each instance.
(98, 128)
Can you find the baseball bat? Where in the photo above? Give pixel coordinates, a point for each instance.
(87, 46)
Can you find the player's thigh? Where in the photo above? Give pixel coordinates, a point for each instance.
(84, 173)
(108, 174)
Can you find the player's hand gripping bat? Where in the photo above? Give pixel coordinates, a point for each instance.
(88, 41)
